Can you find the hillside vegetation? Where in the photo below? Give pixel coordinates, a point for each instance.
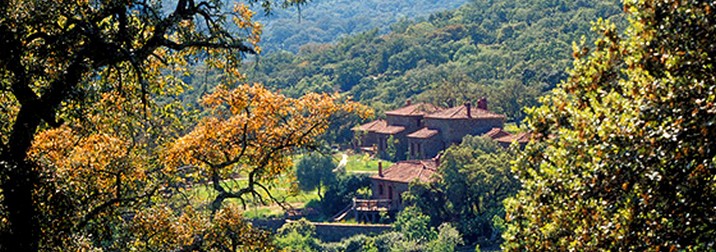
(507, 51)
(327, 20)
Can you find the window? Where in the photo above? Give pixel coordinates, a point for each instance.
(390, 192)
(380, 189)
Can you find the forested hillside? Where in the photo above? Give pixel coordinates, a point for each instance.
(327, 20)
(507, 51)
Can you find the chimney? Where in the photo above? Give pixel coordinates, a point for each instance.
(380, 168)
(468, 107)
(408, 102)
(482, 103)
(437, 160)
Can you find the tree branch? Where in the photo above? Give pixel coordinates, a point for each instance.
(97, 210)
(205, 44)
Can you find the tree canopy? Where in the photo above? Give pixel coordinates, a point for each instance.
(329, 20)
(475, 178)
(96, 149)
(627, 158)
(314, 171)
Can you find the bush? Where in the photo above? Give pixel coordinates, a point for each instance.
(447, 240)
(340, 194)
(414, 225)
(297, 236)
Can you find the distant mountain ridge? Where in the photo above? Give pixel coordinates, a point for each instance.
(324, 21)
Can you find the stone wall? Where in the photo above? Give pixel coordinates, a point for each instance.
(396, 188)
(327, 232)
(411, 123)
(429, 148)
(268, 224)
(453, 130)
(401, 144)
(333, 232)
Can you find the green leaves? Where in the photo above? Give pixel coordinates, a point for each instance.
(315, 170)
(475, 179)
(414, 225)
(625, 143)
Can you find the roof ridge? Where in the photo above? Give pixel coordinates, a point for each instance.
(420, 173)
(457, 110)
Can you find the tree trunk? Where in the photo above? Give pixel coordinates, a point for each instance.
(320, 197)
(18, 184)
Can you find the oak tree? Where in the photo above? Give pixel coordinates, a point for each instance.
(627, 161)
(60, 57)
(251, 136)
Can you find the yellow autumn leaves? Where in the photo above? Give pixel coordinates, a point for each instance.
(254, 128)
(105, 157)
(160, 228)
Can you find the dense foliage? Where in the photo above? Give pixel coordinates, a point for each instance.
(297, 236)
(475, 178)
(508, 51)
(341, 193)
(628, 160)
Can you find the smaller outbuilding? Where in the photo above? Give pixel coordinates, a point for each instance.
(391, 183)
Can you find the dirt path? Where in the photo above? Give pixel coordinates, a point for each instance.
(342, 164)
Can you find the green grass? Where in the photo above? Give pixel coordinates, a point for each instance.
(362, 163)
(283, 189)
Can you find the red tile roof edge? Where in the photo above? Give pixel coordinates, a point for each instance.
(460, 112)
(424, 133)
(417, 109)
(427, 165)
(379, 126)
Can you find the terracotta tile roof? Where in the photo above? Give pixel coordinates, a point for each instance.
(371, 126)
(418, 109)
(424, 133)
(390, 130)
(521, 138)
(409, 170)
(380, 126)
(496, 133)
(460, 112)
